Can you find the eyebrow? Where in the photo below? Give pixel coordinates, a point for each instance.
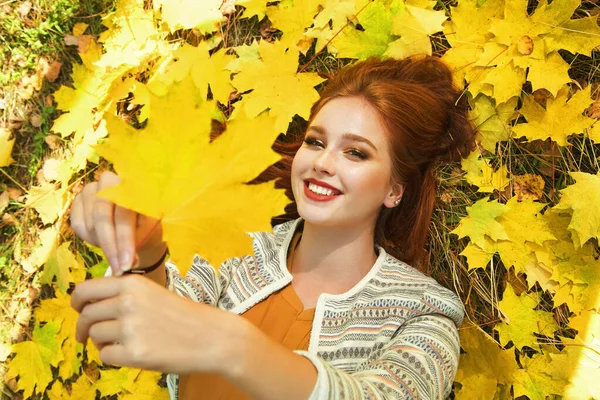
(349, 136)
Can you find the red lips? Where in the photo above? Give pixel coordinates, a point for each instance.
(320, 197)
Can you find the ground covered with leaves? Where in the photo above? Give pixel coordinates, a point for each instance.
(98, 85)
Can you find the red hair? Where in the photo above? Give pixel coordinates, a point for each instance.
(426, 121)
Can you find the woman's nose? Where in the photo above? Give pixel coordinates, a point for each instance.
(325, 163)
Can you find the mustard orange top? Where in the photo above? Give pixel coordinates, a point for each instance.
(282, 317)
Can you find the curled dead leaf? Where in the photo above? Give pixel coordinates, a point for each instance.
(525, 45)
(71, 40)
(15, 194)
(84, 43)
(594, 110)
(24, 8)
(41, 177)
(9, 220)
(24, 316)
(228, 7)
(52, 141)
(35, 120)
(529, 187)
(53, 70)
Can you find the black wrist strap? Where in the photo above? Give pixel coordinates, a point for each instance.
(146, 270)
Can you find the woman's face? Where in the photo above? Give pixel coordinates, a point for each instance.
(341, 175)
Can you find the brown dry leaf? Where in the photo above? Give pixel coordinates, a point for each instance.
(52, 141)
(84, 43)
(41, 178)
(71, 40)
(9, 220)
(53, 70)
(15, 194)
(24, 8)
(594, 111)
(528, 187)
(35, 120)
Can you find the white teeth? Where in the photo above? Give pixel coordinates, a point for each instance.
(320, 190)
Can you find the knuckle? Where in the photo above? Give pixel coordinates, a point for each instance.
(127, 304)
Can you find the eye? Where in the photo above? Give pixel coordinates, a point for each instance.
(357, 154)
(313, 142)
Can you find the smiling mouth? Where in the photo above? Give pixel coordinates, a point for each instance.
(319, 190)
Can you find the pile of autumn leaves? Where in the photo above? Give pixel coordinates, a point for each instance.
(168, 168)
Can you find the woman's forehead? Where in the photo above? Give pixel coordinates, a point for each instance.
(350, 115)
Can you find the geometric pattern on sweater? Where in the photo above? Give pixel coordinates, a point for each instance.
(392, 336)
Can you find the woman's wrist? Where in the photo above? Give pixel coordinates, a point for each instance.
(239, 336)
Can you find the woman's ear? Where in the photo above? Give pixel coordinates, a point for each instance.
(394, 197)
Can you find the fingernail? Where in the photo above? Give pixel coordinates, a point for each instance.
(115, 266)
(125, 261)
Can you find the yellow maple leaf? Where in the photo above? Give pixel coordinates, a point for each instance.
(535, 380)
(131, 383)
(189, 14)
(559, 120)
(522, 320)
(276, 85)
(292, 18)
(529, 187)
(172, 171)
(33, 359)
(253, 7)
(481, 174)
(476, 256)
(59, 310)
(65, 266)
(49, 201)
(520, 42)
(91, 90)
(580, 359)
(45, 246)
(6, 146)
(492, 122)
(483, 366)
(206, 70)
(131, 37)
(481, 222)
(578, 197)
(467, 31)
(82, 388)
(332, 18)
(414, 27)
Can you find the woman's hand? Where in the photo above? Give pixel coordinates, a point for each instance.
(156, 329)
(115, 229)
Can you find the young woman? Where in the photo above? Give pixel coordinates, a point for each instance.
(327, 306)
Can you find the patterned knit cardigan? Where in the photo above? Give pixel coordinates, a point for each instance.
(392, 336)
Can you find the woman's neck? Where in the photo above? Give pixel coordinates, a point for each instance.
(338, 257)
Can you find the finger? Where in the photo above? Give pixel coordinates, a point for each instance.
(116, 354)
(77, 220)
(105, 332)
(94, 313)
(125, 228)
(104, 225)
(94, 290)
(88, 198)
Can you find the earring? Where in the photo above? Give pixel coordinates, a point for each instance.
(397, 202)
